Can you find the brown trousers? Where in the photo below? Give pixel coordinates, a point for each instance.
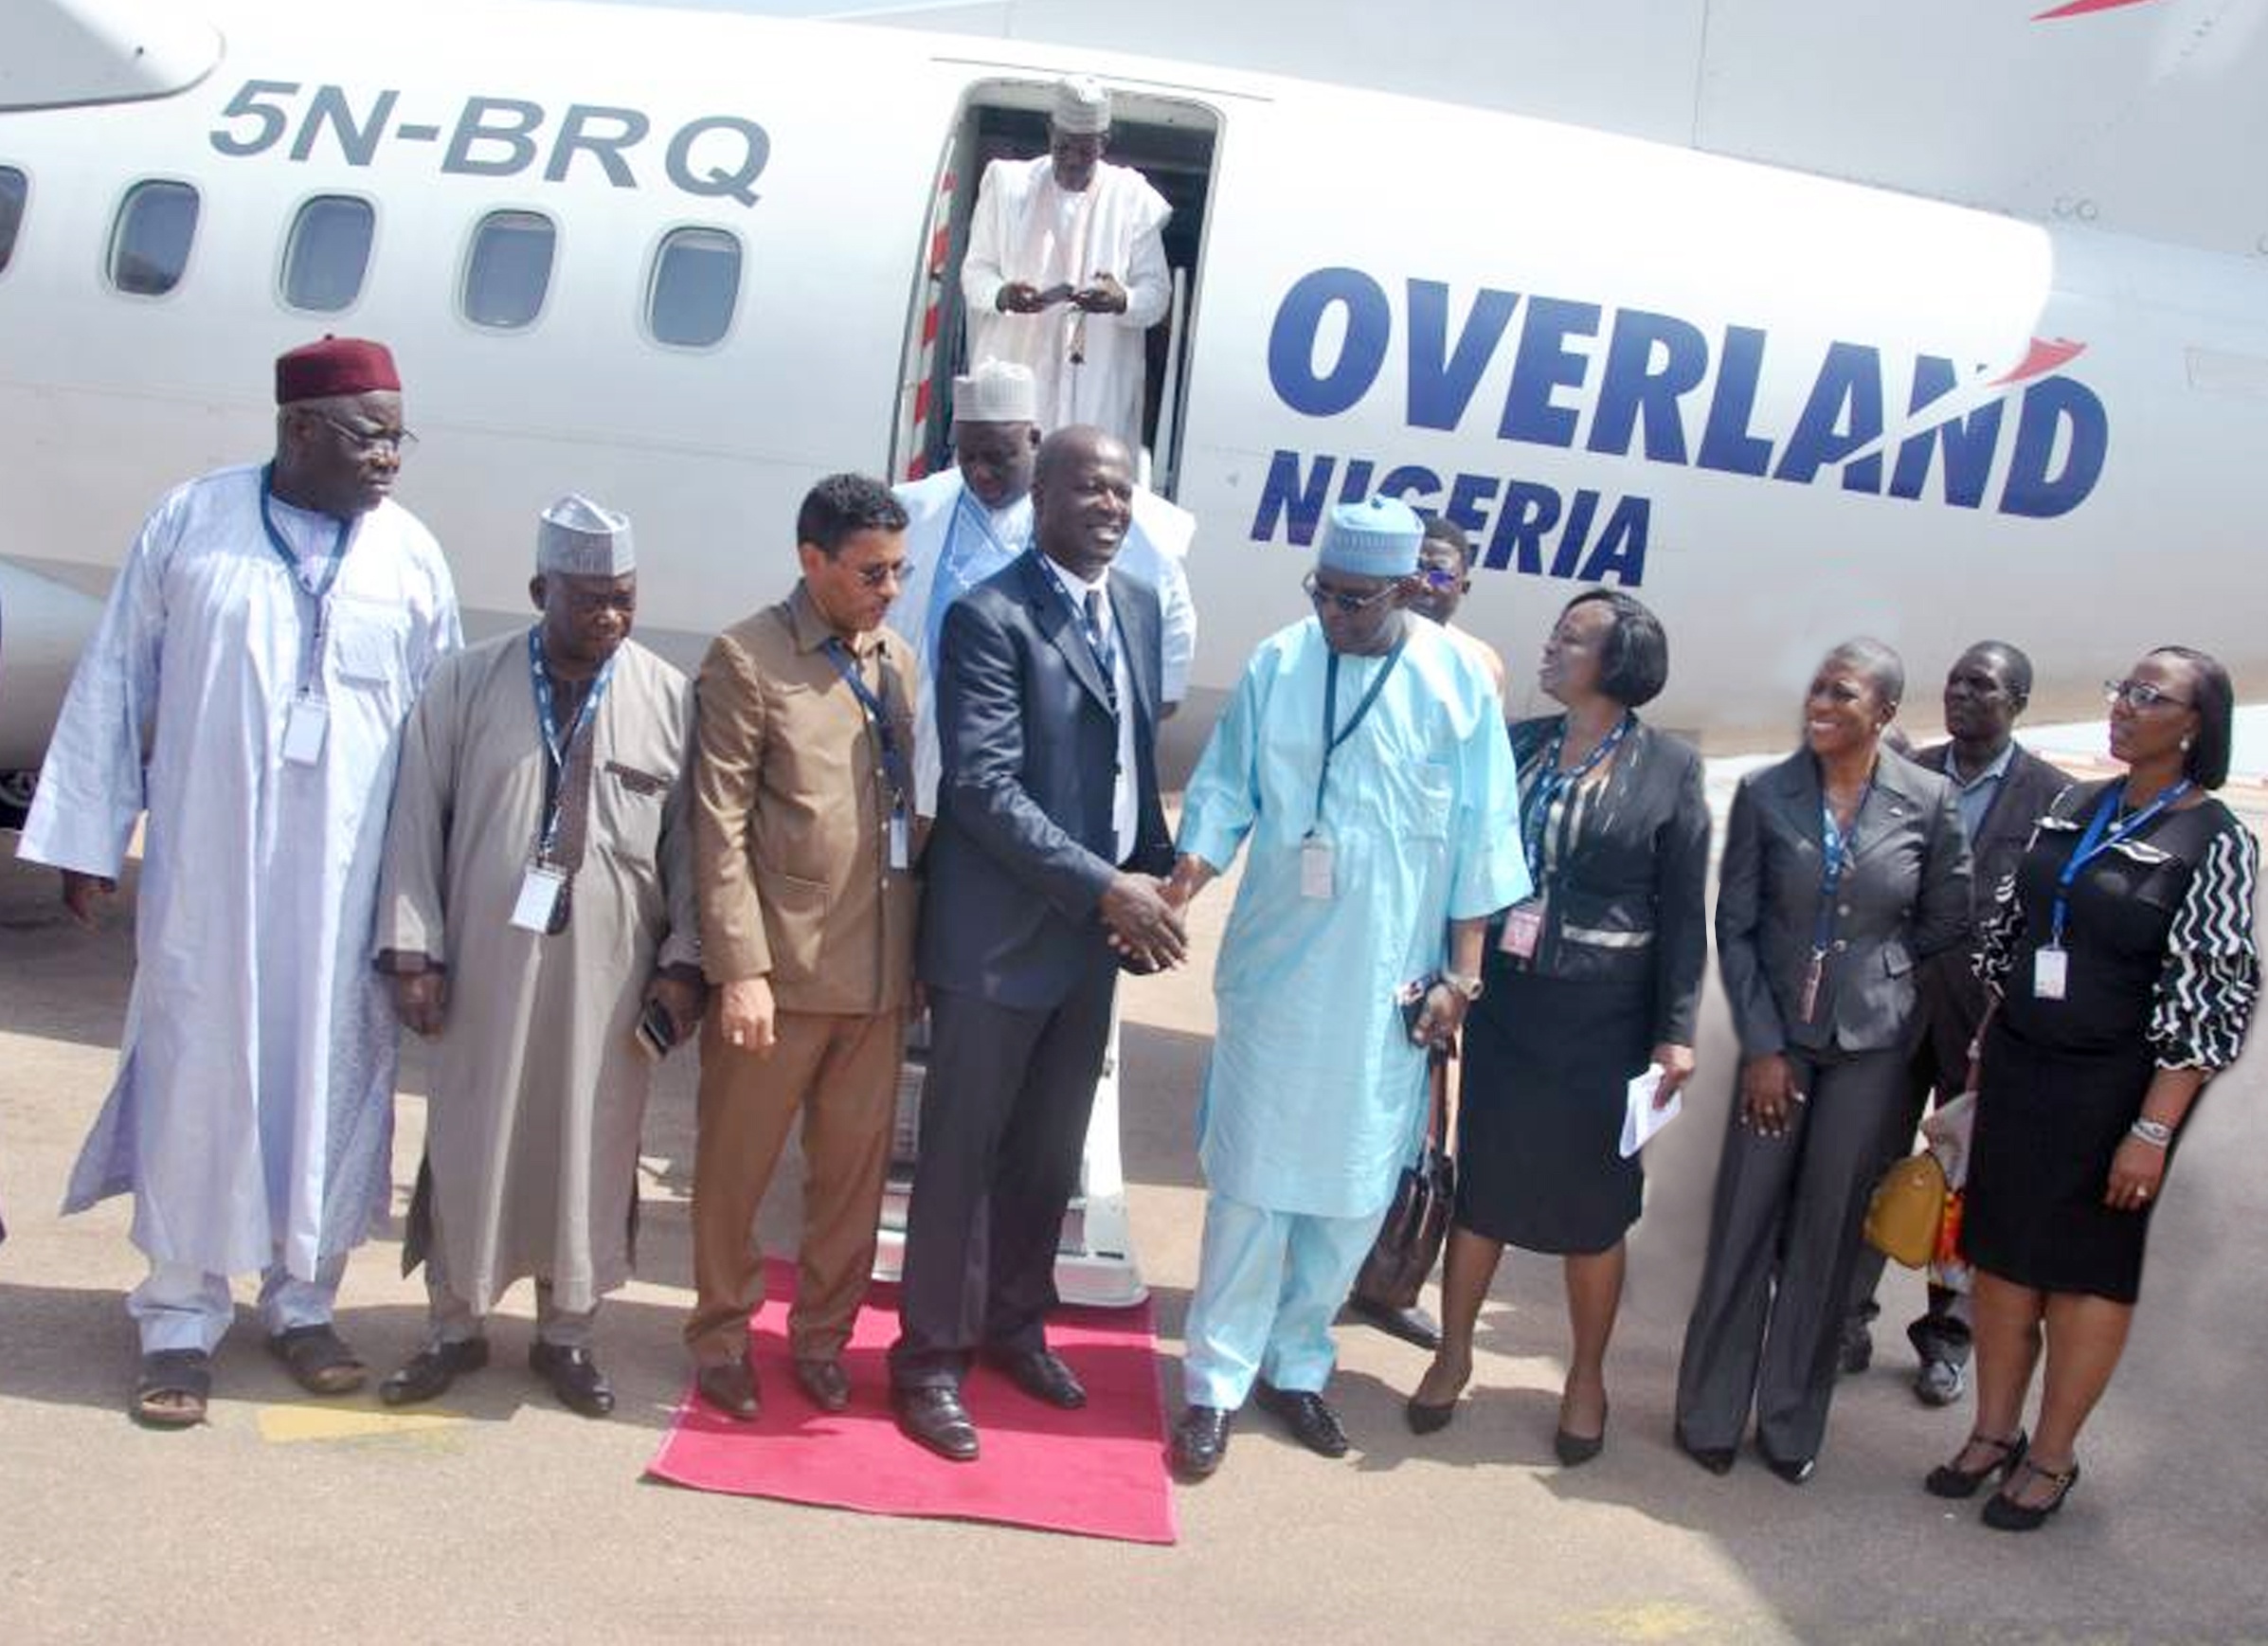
(841, 1072)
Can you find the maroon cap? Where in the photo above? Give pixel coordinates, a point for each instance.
(335, 366)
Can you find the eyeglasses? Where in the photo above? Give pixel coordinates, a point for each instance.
(1349, 604)
(2141, 695)
(876, 576)
(398, 440)
(1442, 578)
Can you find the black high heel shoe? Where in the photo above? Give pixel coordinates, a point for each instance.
(1574, 1450)
(1431, 1420)
(1946, 1480)
(2003, 1513)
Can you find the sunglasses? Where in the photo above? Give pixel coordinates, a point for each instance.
(1349, 604)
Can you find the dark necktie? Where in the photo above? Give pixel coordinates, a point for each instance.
(1105, 657)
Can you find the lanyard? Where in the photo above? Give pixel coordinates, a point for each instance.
(2100, 837)
(877, 718)
(1333, 739)
(556, 747)
(1835, 848)
(310, 653)
(1550, 780)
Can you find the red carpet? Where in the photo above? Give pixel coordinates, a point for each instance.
(1100, 1472)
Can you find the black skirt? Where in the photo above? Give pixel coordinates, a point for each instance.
(1547, 1070)
(2047, 1122)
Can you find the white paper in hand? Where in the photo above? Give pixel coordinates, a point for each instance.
(1640, 1118)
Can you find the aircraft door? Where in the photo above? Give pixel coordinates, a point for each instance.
(1170, 141)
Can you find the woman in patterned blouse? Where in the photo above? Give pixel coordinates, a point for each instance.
(2122, 961)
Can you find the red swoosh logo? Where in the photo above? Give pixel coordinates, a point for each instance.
(2045, 355)
(2081, 8)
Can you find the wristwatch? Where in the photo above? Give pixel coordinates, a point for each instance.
(1468, 987)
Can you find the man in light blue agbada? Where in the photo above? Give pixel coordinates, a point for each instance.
(1363, 765)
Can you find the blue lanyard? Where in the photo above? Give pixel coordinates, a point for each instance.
(2100, 837)
(1333, 739)
(877, 718)
(1535, 814)
(1835, 849)
(310, 653)
(556, 746)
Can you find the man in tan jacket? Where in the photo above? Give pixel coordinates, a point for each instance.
(802, 834)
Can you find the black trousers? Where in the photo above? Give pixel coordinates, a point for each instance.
(1003, 1126)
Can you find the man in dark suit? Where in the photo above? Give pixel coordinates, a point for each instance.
(1040, 875)
(2002, 789)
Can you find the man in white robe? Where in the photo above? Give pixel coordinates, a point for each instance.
(537, 908)
(1362, 765)
(1066, 270)
(967, 523)
(264, 640)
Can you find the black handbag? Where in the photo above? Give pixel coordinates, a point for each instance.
(1409, 1242)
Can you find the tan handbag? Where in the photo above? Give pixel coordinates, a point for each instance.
(1907, 1207)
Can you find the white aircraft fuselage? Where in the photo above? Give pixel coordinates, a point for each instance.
(1782, 411)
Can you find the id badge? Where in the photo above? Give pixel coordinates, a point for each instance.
(1523, 930)
(901, 843)
(1807, 1005)
(2051, 970)
(539, 898)
(1315, 869)
(303, 729)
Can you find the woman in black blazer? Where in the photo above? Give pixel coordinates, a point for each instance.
(1586, 984)
(1843, 866)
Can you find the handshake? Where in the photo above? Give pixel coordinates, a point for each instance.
(1143, 917)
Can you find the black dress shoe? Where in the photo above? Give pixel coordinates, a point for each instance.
(1715, 1459)
(574, 1377)
(936, 1418)
(1201, 1441)
(824, 1381)
(1794, 1470)
(1410, 1324)
(730, 1387)
(427, 1374)
(1043, 1376)
(1312, 1423)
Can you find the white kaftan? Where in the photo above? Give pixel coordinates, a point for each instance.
(538, 1088)
(1027, 228)
(1314, 1098)
(252, 1113)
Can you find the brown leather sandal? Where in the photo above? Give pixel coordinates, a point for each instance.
(173, 1389)
(320, 1360)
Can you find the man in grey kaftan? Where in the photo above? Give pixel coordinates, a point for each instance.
(551, 757)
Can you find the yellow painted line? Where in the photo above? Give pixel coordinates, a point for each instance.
(282, 1425)
(1648, 1622)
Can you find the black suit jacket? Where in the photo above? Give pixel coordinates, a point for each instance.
(1953, 1001)
(1630, 901)
(1023, 847)
(1903, 897)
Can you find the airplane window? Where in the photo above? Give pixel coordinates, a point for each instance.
(696, 280)
(14, 189)
(150, 246)
(327, 253)
(510, 271)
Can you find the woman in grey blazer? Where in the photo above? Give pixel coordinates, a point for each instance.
(1843, 866)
